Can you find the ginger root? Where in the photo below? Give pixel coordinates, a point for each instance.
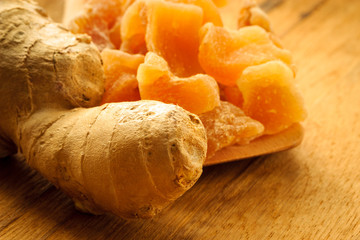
(131, 159)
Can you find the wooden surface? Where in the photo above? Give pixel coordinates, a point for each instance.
(310, 192)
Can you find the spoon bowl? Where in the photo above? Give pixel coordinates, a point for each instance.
(289, 138)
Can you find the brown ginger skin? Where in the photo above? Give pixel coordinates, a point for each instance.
(131, 159)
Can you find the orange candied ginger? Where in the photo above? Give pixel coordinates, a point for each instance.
(224, 54)
(271, 97)
(120, 76)
(210, 11)
(251, 14)
(105, 9)
(173, 33)
(95, 27)
(133, 28)
(228, 125)
(197, 94)
(101, 21)
(136, 18)
(233, 95)
(182, 40)
(114, 34)
(220, 3)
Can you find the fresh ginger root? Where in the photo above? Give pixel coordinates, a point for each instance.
(131, 159)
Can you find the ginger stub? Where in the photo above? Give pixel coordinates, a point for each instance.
(131, 159)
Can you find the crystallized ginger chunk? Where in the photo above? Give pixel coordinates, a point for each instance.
(120, 76)
(271, 97)
(211, 13)
(220, 3)
(105, 9)
(228, 125)
(224, 53)
(133, 28)
(173, 33)
(114, 34)
(197, 94)
(251, 14)
(99, 20)
(95, 27)
(137, 17)
(233, 95)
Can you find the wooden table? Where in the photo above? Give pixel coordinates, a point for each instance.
(310, 192)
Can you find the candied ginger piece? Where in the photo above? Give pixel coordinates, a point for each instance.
(100, 19)
(224, 54)
(271, 97)
(95, 27)
(251, 14)
(220, 3)
(173, 33)
(107, 10)
(233, 95)
(120, 76)
(133, 28)
(228, 125)
(197, 94)
(126, 4)
(211, 13)
(114, 34)
(135, 21)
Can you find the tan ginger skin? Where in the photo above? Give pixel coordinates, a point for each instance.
(131, 159)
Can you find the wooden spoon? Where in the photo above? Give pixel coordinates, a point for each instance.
(284, 140)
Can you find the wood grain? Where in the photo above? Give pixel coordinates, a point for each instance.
(310, 192)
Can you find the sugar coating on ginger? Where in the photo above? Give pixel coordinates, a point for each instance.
(197, 94)
(227, 125)
(225, 53)
(271, 97)
(120, 69)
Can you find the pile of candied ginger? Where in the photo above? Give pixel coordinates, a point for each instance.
(239, 81)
